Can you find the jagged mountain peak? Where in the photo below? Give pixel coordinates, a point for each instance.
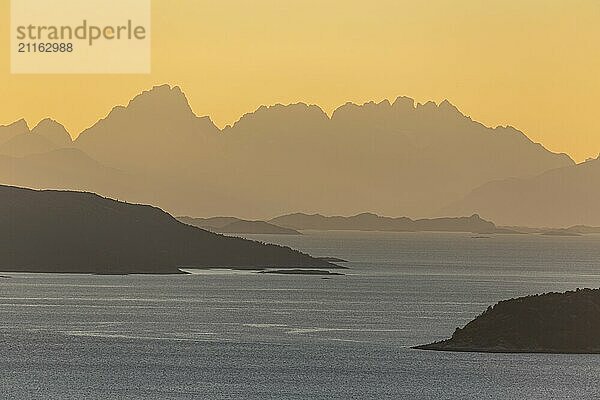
(162, 104)
(13, 129)
(292, 107)
(19, 124)
(8, 133)
(53, 131)
(404, 103)
(281, 114)
(162, 97)
(350, 110)
(47, 123)
(162, 108)
(447, 106)
(401, 106)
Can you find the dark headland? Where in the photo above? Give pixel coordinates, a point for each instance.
(79, 232)
(547, 323)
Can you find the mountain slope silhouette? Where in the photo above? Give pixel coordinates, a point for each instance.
(559, 198)
(60, 231)
(156, 130)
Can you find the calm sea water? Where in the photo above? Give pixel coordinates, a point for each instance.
(228, 335)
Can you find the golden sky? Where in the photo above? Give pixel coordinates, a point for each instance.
(533, 64)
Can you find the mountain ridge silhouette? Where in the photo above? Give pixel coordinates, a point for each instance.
(397, 158)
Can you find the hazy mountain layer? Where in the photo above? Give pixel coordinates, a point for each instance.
(398, 158)
(561, 197)
(66, 168)
(394, 158)
(17, 140)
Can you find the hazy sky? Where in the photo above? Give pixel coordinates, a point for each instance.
(533, 64)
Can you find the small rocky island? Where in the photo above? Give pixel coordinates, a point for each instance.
(546, 323)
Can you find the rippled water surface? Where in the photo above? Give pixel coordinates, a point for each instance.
(223, 334)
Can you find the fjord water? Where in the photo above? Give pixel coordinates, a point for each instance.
(223, 334)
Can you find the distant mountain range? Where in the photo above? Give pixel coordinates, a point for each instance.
(396, 158)
(292, 224)
(76, 232)
(373, 222)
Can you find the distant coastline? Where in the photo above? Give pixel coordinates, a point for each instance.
(294, 224)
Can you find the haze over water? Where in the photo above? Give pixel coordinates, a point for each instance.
(222, 334)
